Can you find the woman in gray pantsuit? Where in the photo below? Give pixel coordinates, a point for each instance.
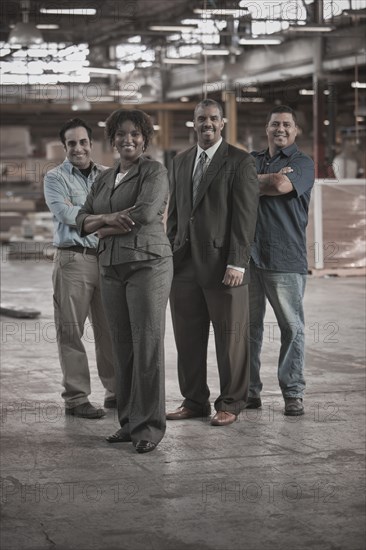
(125, 209)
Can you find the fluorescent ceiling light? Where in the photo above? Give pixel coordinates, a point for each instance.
(100, 70)
(127, 93)
(249, 89)
(173, 28)
(47, 79)
(355, 11)
(221, 11)
(304, 91)
(48, 27)
(195, 21)
(310, 28)
(216, 52)
(250, 100)
(134, 39)
(358, 84)
(42, 27)
(260, 41)
(104, 99)
(180, 61)
(81, 105)
(72, 11)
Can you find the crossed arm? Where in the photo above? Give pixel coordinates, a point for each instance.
(269, 184)
(149, 202)
(276, 183)
(104, 225)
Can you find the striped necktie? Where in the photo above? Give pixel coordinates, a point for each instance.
(198, 175)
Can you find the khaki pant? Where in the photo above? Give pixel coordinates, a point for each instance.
(76, 298)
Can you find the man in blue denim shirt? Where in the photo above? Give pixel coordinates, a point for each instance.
(76, 275)
(279, 262)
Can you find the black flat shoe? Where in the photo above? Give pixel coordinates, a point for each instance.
(118, 437)
(143, 446)
(253, 403)
(110, 403)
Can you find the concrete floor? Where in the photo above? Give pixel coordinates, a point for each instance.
(267, 482)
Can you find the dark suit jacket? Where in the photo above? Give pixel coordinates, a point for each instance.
(146, 187)
(220, 227)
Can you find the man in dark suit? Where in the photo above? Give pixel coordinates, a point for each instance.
(211, 223)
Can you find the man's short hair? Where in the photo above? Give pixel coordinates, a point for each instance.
(282, 109)
(209, 103)
(74, 123)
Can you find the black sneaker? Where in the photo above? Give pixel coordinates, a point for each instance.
(293, 406)
(110, 403)
(85, 410)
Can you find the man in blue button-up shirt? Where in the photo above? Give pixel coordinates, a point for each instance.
(279, 264)
(76, 275)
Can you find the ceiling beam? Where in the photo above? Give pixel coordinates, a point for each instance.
(264, 65)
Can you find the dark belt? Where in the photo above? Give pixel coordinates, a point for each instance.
(81, 249)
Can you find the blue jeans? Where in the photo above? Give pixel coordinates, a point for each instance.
(285, 292)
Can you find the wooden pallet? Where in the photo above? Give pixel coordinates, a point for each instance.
(339, 272)
(19, 311)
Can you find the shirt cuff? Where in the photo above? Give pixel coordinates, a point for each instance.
(241, 269)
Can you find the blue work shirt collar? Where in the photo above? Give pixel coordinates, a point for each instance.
(286, 151)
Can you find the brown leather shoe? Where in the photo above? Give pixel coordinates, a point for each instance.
(223, 418)
(183, 413)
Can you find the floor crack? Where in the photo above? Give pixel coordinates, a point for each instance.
(46, 535)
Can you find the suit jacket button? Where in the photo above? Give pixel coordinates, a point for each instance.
(187, 240)
(191, 220)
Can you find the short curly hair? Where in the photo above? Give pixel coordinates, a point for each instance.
(139, 118)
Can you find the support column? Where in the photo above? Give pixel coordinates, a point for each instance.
(165, 133)
(231, 133)
(318, 98)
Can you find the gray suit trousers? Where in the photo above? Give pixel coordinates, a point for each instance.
(135, 296)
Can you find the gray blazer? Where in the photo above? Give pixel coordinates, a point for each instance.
(145, 187)
(219, 228)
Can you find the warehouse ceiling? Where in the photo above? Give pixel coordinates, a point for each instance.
(119, 53)
(109, 21)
